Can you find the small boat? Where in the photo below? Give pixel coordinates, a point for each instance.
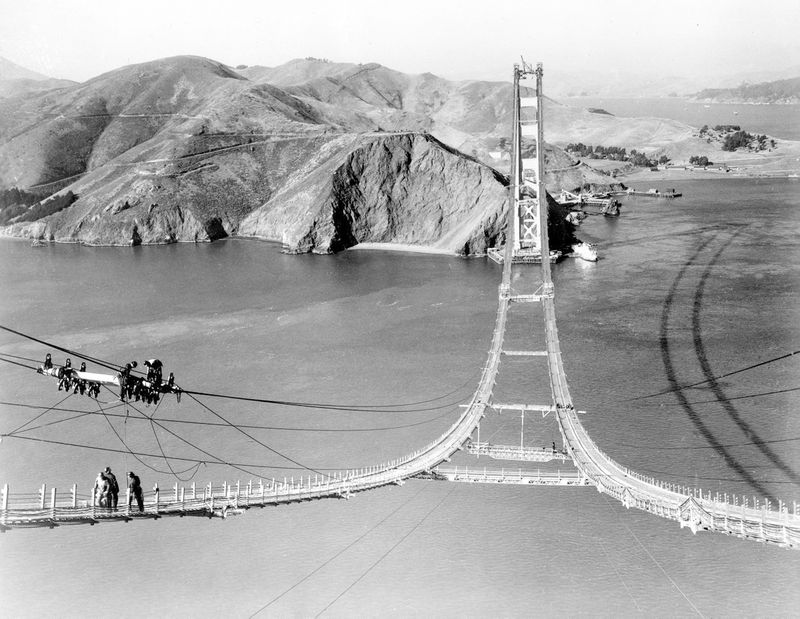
(584, 251)
(576, 217)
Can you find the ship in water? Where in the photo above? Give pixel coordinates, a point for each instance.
(584, 251)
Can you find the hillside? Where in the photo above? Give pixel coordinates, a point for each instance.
(12, 71)
(16, 80)
(17, 87)
(163, 110)
(316, 155)
(468, 115)
(785, 91)
(399, 188)
(459, 113)
(474, 116)
(185, 149)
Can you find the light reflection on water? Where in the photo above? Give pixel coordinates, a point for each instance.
(239, 317)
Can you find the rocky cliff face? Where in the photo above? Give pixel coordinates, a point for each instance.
(387, 188)
(400, 188)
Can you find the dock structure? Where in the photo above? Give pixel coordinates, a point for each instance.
(608, 205)
(775, 522)
(498, 255)
(654, 193)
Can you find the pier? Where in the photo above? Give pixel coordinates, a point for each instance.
(607, 204)
(654, 193)
(522, 257)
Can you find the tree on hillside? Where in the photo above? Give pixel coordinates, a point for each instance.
(701, 161)
(640, 159)
(737, 139)
(14, 197)
(53, 204)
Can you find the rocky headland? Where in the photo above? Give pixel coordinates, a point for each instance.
(776, 92)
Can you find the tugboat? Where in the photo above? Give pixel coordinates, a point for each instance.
(584, 251)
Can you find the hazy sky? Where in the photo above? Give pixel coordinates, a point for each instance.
(78, 39)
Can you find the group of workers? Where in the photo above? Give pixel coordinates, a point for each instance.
(132, 388)
(106, 490)
(147, 389)
(68, 380)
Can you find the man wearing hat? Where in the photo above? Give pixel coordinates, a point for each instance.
(100, 492)
(135, 491)
(113, 488)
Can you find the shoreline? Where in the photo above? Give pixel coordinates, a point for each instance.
(700, 174)
(388, 247)
(641, 179)
(404, 248)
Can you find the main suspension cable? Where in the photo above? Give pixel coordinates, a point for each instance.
(327, 406)
(22, 365)
(61, 348)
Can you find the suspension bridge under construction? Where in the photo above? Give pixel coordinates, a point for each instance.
(522, 285)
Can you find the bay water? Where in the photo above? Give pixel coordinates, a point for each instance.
(687, 292)
(780, 121)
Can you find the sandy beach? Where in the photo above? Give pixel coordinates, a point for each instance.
(402, 247)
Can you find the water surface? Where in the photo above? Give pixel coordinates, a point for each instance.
(781, 121)
(700, 286)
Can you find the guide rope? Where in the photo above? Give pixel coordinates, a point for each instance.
(194, 446)
(736, 397)
(217, 461)
(129, 451)
(254, 439)
(216, 423)
(44, 412)
(690, 448)
(713, 378)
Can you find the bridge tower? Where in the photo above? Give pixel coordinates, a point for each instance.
(527, 234)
